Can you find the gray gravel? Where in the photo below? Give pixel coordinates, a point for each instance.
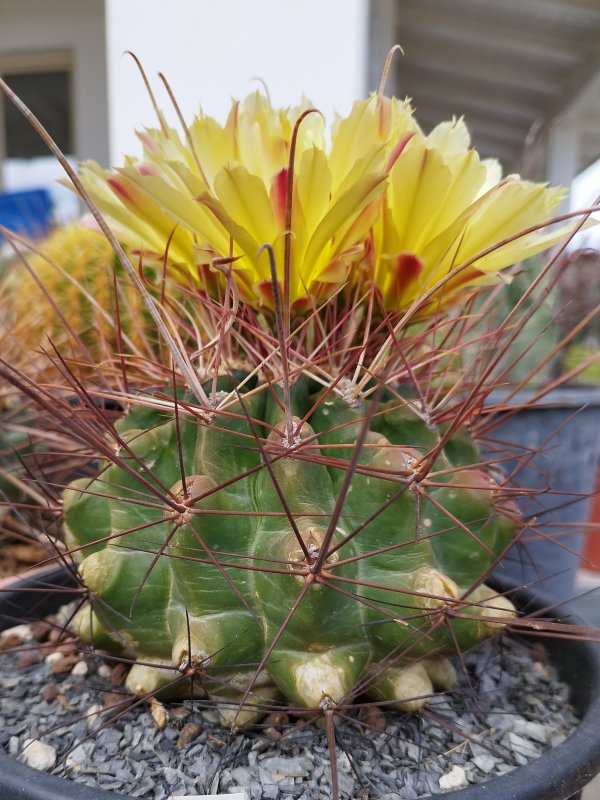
(507, 710)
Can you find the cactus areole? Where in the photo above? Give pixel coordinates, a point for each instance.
(249, 578)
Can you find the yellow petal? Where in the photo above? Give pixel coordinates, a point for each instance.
(451, 139)
(344, 210)
(214, 145)
(240, 235)
(313, 185)
(184, 209)
(148, 227)
(245, 197)
(417, 182)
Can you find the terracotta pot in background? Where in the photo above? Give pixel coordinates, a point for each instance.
(591, 550)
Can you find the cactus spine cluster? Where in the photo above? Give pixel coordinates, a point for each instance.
(243, 568)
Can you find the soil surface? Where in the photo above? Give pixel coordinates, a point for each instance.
(66, 711)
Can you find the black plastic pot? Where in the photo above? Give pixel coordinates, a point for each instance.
(562, 429)
(559, 774)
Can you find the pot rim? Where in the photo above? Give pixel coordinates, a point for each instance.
(583, 396)
(557, 774)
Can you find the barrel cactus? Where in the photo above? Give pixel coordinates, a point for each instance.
(388, 584)
(300, 513)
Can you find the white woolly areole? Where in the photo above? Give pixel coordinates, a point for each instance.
(319, 678)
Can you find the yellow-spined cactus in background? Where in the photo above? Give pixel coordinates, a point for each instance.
(68, 293)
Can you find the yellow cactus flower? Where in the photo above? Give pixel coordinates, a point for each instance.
(445, 208)
(224, 191)
(383, 202)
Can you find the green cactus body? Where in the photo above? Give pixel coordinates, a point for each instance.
(217, 579)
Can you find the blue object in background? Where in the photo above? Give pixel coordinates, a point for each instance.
(28, 212)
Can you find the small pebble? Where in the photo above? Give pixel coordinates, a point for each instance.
(455, 779)
(40, 630)
(93, 716)
(10, 641)
(373, 717)
(76, 759)
(276, 718)
(104, 671)
(286, 767)
(521, 746)
(532, 730)
(270, 792)
(17, 635)
(343, 763)
(49, 692)
(57, 635)
(64, 663)
(118, 673)
(38, 755)
(112, 700)
(160, 715)
(53, 657)
(189, 732)
(485, 763)
(27, 658)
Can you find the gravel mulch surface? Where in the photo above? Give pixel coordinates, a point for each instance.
(508, 709)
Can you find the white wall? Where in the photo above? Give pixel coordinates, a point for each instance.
(210, 50)
(585, 190)
(77, 26)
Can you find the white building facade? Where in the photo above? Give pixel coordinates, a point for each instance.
(70, 56)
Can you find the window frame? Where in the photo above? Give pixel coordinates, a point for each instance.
(34, 61)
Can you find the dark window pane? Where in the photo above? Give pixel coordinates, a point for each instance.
(48, 95)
